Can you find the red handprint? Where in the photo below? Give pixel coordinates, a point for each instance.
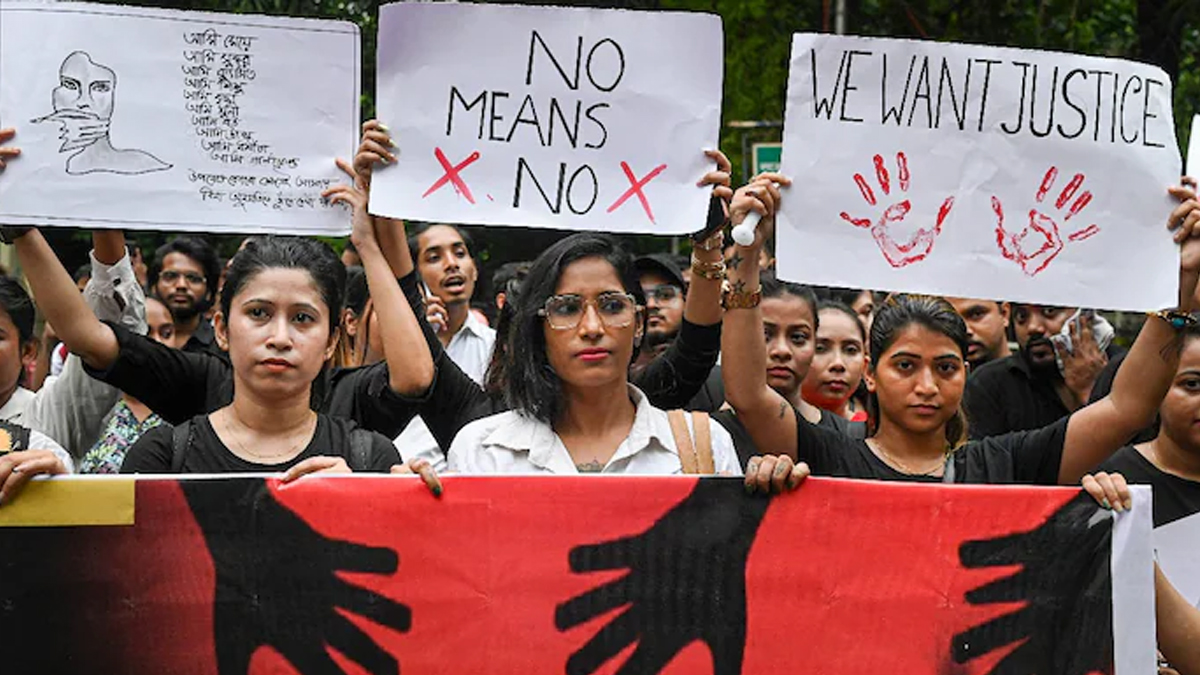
(1048, 242)
(918, 246)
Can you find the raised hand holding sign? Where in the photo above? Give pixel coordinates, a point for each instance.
(573, 118)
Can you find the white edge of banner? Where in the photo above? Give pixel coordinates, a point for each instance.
(1134, 629)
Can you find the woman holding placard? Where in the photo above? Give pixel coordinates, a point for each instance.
(452, 400)
(916, 377)
(577, 328)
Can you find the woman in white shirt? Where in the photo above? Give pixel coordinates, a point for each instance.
(579, 320)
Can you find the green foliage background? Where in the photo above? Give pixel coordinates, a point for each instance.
(757, 41)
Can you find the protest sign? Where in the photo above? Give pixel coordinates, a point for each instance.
(572, 575)
(548, 117)
(977, 171)
(153, 119)
(1177, 546)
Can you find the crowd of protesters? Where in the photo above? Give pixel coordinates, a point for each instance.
(291, 359)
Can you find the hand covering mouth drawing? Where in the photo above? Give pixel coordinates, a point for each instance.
(83, 105)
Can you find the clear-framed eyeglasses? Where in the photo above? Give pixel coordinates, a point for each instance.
(564, 312)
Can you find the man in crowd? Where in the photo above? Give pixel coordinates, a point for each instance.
(442, 254)
(663, 285)
(185, 276)
(987, 329)
(1029, 390)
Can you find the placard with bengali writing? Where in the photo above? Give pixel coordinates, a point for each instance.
(155, 119)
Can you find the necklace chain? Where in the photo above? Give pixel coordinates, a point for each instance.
(236, 438)
(888, 458)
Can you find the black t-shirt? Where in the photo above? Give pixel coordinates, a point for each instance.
(1103, 386)
(744, 444)
(1174, 497)
(1032, 457)
(179, 385)
(153, 452)
(204, 341)
(1005, 395)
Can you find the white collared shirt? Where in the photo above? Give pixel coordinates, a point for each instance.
(471, 349)
(512, 443)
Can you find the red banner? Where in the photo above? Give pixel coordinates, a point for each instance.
(571, 575)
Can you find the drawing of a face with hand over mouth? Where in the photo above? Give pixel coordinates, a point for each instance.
(83, 105)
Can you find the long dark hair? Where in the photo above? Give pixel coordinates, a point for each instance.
(533, 388)
(848, 312)
(898, 313)
(284, 252)
(352, 351)
(19, 307)
(774, 288)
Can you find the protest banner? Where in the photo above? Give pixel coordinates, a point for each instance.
(975, 171)
(573, 575)
(586, 119)
(154, 119)
(1177, 545)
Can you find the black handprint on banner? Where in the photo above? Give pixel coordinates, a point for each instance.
(686, 582)
(1066, 585)
(277, 583)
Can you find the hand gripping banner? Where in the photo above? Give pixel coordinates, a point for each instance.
(573, 576)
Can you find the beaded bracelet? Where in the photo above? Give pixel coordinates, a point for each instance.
(1178, 319)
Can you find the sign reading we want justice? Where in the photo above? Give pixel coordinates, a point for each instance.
(978, 171)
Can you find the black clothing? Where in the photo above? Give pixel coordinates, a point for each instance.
(204, 341)
(1005, 395)
(744, 444)
(1103, 386)
(1032, 457)
(711, 396)
(153, 452)
(1174, 497)
(179, 385)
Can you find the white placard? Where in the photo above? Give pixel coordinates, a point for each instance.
(1177, 546)
(586, 119)
(154, 119)
(1132, 568)
(975, 171)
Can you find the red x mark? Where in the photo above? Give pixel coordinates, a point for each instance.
(637, 189)
(451, 175)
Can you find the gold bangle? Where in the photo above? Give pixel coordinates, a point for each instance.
(737, 297)
(716, 241)
(713, 271)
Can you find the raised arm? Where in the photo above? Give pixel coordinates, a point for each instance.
(674, 378)
(703, 303)
(766, 415)
(59, 299)
(70, 408)
(1098, 430)
(410, 364)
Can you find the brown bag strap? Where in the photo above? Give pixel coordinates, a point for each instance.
(683, 442)
(701, 424)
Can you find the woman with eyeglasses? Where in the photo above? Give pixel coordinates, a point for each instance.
(577, 327)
